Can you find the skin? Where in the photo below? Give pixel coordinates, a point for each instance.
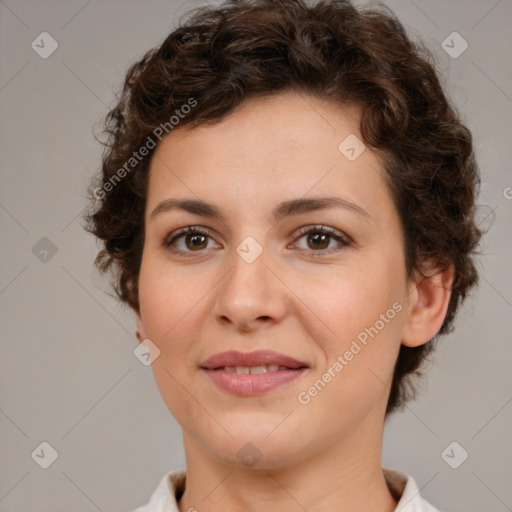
(295, 298)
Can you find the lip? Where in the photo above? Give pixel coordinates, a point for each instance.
(251, 384)
(256, 358)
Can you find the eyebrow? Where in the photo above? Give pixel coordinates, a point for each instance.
(282, 210)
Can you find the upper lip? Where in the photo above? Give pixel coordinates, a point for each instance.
(257, 358)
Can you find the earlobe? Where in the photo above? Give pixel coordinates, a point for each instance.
(140, 333)
(428, 305)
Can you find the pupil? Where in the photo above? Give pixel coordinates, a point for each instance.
(322, 238)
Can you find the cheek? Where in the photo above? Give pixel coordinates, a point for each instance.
(359, 358)
(349, 300)
(364, 313)
(164, 315)
(168, 296)
(172, 304)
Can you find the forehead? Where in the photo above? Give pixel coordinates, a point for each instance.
(269, 149)
(279, 125)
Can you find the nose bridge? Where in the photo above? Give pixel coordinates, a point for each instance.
(250, 291)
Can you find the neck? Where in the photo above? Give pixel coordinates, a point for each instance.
(346, 476)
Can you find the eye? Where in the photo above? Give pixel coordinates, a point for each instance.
(189, 239)
(320, 238)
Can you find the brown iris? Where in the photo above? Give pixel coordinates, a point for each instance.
(319, 237)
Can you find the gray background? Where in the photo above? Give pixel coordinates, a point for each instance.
(68, 375)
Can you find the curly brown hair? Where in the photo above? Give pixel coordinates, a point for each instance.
(219, 57)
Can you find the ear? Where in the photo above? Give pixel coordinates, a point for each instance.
(141, 332)
(428, 302)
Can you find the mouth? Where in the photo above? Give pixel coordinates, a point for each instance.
(253, 373)
(255, 370)
(260, 361)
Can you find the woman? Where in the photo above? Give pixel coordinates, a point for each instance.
(287, 203)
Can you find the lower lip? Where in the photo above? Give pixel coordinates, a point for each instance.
(249, 384)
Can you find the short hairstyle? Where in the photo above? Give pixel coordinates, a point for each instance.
(219, 57)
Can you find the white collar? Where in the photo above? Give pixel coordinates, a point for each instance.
(402, 486)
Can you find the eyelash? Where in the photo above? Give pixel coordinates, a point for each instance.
(344, 241)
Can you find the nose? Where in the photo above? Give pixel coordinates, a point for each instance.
(251, 296)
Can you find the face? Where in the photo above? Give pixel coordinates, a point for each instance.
(324, 284)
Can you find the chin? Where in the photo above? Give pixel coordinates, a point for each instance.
(257, 450)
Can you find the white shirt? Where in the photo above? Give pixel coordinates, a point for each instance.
(403, 487)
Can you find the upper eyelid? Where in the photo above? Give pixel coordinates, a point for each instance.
(298, 233)
(321, 227)
(173, 235)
